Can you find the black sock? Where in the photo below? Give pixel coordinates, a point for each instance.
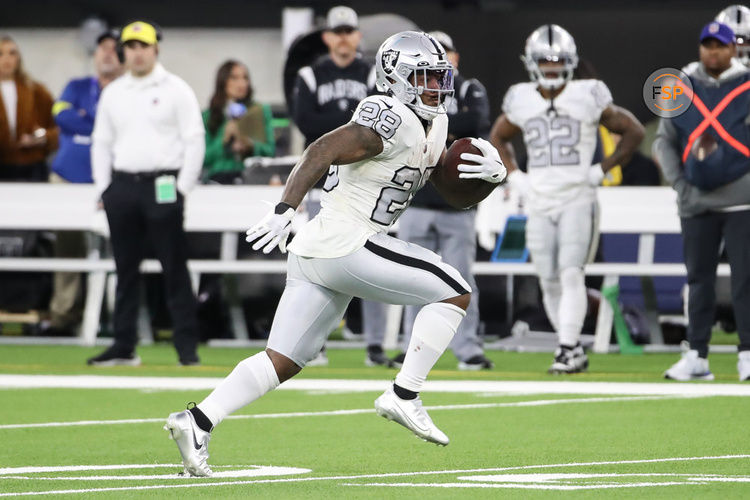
(201, 419)
(404, 393)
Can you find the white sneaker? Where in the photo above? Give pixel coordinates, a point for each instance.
(743, 365)
(192, 441)
(411, 415)
(690, 367)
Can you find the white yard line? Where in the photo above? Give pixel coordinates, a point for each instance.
(203, 484)
(470, 406)
(309, 384)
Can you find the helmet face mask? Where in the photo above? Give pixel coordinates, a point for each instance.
(412, 67)
(550, 44)
(737, 17)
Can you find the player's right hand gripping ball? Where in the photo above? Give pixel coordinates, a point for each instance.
(272, 230)
(488, 166)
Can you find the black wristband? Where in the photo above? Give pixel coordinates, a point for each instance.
(282, 207)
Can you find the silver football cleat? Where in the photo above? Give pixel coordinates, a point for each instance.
(411, 415)
(192, 441)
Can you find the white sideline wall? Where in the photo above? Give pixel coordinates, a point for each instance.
(54, 56)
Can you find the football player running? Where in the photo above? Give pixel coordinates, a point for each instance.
(375, 163)
(559, 119)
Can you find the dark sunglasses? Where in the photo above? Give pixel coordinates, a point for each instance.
(344, 30)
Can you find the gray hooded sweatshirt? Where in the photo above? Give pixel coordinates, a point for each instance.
(691, 200)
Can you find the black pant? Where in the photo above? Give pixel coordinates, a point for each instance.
(134, 215)
(702, 237)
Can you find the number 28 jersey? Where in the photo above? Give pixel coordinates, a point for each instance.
(366, 197)
(560, 142)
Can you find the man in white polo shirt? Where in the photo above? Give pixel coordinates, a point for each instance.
(146, 155)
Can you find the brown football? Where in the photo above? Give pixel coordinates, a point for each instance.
(461, 193)
(703, 146)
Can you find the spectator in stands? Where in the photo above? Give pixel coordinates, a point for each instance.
(326, 93)
(236, 126)
(74, 113)
(27, 131)
(711, 174)
(433, 224)
(324, 98)
(146, 155)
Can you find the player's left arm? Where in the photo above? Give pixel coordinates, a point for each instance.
(621, 121)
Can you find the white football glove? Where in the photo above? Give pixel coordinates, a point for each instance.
(489, 168)
(596, 174)
(272, 230)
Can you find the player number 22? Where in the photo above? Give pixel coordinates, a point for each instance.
(562, 151)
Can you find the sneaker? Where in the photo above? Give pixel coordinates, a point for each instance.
(192, 441)
(115, 356)
(320, 360)
(411, 415)
(398, 360)
(474, 363)
(743, 365)
(569, 360)
(690, 367)
(376, 356)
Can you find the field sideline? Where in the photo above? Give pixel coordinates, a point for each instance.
(619, 431)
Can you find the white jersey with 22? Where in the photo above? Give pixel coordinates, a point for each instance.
(560, 138)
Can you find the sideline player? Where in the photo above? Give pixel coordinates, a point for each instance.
(375, 163)
(559, 119)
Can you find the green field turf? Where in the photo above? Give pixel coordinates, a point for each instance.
(552, 446)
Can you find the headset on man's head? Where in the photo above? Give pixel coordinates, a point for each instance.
(120, 43)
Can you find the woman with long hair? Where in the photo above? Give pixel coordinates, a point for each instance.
(27, 130)
(236, 126)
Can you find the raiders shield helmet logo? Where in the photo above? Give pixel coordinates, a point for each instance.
(389, 60)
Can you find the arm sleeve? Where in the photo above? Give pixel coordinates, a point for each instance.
(473, 118)
(44, 117)
(67, 114)
(666, 152)
(510, 104)
(376, 113)
(267, 148)
(192, 134)
(101, 146)
(308, 119)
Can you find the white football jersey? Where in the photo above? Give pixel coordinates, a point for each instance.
(367, 197)
(560, 145)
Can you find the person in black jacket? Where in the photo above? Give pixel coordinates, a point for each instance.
(326, 93)
(435, 225)
(324, 98)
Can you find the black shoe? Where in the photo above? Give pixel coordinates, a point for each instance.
(376, 356)
(474, 363)
(115, 356)
(398, 360)
(190, 361)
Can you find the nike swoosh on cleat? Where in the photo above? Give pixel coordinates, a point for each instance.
(195, 441)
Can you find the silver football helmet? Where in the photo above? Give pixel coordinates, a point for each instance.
(404, 65)
(550, 43)
(737, 17)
